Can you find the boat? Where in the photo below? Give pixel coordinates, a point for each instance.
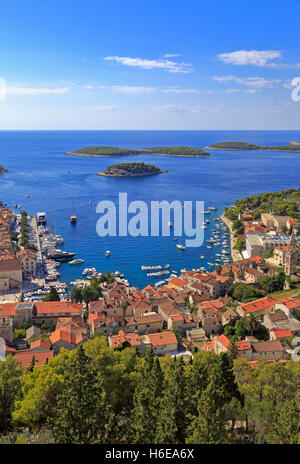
(73, 217)
(180, 246)
(59, 255)
(175, 238)
(212, 208)
(107, 253)
(207, 212)
(170, 224)
(202, 257)
(41, 219)
(76, 261)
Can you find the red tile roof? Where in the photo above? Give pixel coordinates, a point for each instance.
(163, 338)
(57, 307)
(40, 343)
(281, 333)
(177, 282)
(258, 305)
(131, 338)
(41, 357)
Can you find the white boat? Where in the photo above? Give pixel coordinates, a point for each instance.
(76, 261)
(107, 252)
(180, 246)
(170, 224)
(202, 257)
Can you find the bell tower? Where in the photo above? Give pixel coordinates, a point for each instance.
(291, 258)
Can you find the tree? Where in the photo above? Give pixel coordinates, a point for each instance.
(251, 323)
(232, 349)
(124, 306)
(146, 400)
(89, 293)
(172, 417)
(10, 388)
(286, 426)
(76, 294)
(209, 426)
(52, 295)
(218, 269)
(80, 414)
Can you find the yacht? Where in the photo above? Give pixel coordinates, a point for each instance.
(76, 261)
(107, 253)
(180, 246)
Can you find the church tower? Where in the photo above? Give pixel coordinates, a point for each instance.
(291, 257)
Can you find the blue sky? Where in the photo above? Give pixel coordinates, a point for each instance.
(165, 64)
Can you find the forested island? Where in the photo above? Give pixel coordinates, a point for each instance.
(293, 147)
(162, 151)
(3, 170)
(130, 170)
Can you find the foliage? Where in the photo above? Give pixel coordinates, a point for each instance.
(52, 295)
(114, 151)
(243, 292)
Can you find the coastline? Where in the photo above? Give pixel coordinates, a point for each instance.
(104, 174)
(252, 149)
(71, 153)
(235, 254)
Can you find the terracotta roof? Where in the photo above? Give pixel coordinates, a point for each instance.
(209, 346)
(177, 281)
(258, 305)
(41, 357)
(282, 248)
(281, 333)
(131, 338)
(11, 264)
(254, 272)
(57, 307)
(290, 303)
(224, 340)
(138, 320)
(63, 335)
(40, 343)
(7, 309)
(271, 345)
(277, 316)
(163, 338)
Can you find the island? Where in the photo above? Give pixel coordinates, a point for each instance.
(3, 170)
(130, 170)
(102, 151)
(292, 147)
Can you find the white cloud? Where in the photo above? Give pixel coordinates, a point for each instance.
(258, 82)
(132, 90)
(189, 90)
(171, 55)
(88, 86)
(252, 90)
(254, 57)
(101, 86)
(187, 109)
(102, 108)
(10, 90)
(160, 63)
(231, 90)
(263, 58)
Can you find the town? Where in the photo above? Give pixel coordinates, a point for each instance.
(248, 307)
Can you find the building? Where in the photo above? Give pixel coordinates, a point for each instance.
(132, 338)
(149, 323)
(288, 305)
(40, 345)
(253, 275)
(28, 262)
(11, 275)
(258, 307)
(40, 357)
(163, 343)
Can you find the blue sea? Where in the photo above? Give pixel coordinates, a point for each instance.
(55, 182)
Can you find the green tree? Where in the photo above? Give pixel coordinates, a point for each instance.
(89, 293)
(52, 295)
(286, 426)
(173, 406)
(76, 294)
(146, 400)
(124, 306)
(10, 388)
(209, 425)
(79, 416)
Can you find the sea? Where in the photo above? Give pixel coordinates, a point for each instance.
(42, 178)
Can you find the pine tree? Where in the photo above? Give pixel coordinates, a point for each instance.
(286, 426)
(209, 426)
(171, 427)
(79, 416)
(146, 400)
(223, 379)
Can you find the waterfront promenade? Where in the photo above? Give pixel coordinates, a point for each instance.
(235, 254)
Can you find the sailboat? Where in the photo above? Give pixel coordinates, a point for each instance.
(73, 217)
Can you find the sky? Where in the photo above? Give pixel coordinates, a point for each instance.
(157, 65)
